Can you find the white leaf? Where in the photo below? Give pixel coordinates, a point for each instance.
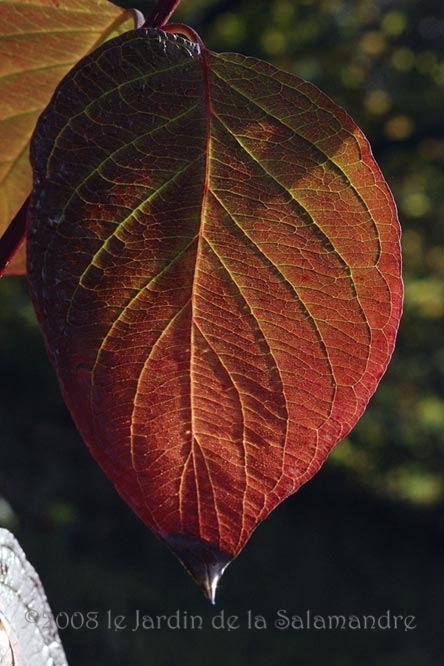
(28, 632)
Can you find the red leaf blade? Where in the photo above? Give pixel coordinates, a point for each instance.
(214, 256)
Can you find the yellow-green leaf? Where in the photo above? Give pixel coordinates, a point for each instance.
(40, 41)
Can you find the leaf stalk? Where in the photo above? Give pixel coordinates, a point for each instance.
(162, 13)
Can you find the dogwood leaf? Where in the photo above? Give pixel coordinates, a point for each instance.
(214, 258)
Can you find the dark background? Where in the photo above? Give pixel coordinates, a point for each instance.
(365, 536)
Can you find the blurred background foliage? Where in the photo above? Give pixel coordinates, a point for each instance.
(367, 533)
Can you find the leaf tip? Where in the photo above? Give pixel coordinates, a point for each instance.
(205, 563)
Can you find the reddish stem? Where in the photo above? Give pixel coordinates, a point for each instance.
(185, 30)
(161, 14)
(13, 237)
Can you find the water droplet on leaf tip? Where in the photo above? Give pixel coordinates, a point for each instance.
(205, 563)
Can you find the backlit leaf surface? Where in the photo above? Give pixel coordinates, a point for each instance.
(214, 257)
(40, 41)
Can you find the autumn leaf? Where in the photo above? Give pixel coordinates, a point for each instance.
(40, 41)
(214, 259)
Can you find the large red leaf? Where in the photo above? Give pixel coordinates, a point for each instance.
(214, 258)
